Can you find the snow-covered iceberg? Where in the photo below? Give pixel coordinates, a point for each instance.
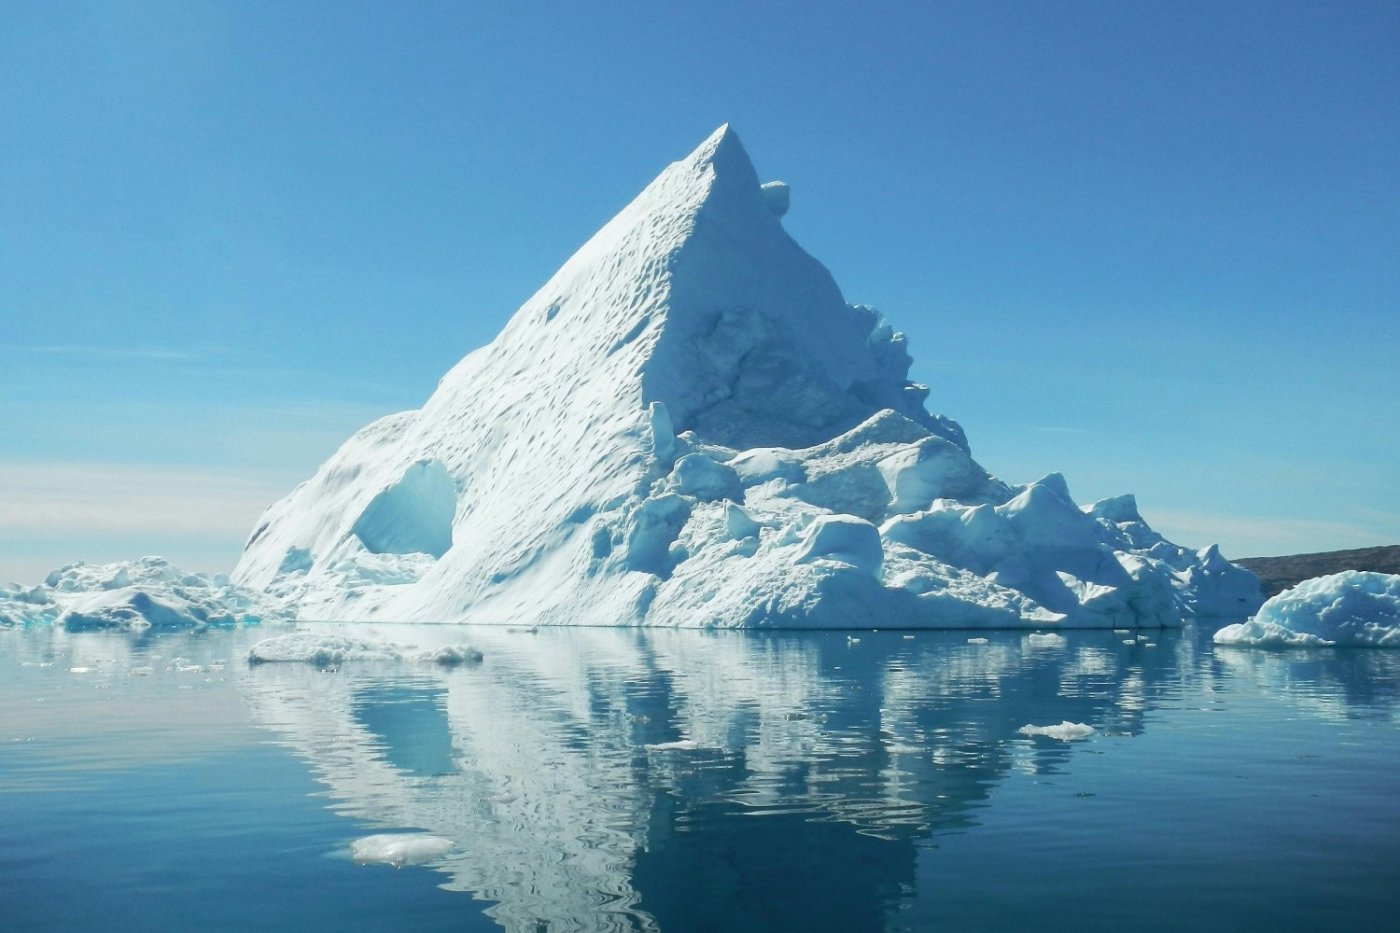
(1352, 608)
(689, 426)
(146, 593)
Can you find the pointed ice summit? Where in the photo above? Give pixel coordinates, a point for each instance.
(689, 426)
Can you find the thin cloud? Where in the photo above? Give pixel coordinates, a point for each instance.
(1058, 429)
(93, 351)
(1252, 536)
(53, 499)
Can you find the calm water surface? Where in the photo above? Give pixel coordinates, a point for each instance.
(605, 779)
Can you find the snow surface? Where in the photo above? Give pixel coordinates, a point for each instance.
(1352, 608)
(1065, 731)
(688, 425)
(399, 849)
(146, 593)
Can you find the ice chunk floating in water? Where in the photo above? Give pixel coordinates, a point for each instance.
(1065, 731)
(399, 849)
(688, 425)
(327, 650)
(1352, 608)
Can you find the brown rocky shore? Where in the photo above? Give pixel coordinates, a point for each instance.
(1279, 573)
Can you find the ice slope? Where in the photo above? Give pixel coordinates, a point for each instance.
(689, 426)
(1353, 608)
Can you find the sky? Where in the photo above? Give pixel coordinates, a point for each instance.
(1152, 246)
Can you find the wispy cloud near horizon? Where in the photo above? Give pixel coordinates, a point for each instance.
(116, 353)
(1255, 536)
(52, 511)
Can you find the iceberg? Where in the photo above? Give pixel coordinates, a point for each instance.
(688, 425)
(1353, 608)
(148, 593)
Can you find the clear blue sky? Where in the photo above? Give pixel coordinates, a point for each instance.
(1154, 246)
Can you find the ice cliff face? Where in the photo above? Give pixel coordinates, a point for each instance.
(688, 425)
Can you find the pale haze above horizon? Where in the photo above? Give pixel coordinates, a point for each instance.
(1152, 247)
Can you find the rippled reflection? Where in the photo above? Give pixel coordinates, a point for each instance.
(604, 779)
(627, 780)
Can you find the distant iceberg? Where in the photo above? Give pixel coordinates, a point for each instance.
(1353, 608)
(147, 593)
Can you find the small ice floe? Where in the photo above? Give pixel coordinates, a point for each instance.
(399, 849)
(1130, 641)
(326, 650)
(1045, 640)
(1066, 731)
(680, 745)
(450, 656)
(81, 670)
(908, 637)
(852, 640)
(1122, 631)
(321, 650)
(978, 641)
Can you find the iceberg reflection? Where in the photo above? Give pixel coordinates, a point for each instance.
(582, 774)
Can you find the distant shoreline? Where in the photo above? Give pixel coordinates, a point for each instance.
(1279, 573)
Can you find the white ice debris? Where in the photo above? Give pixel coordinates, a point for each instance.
(332, 650)
(688, 425)
(399, 849)
(146, 593)
(680, 745)
(1065, 731)
(1352, 608)
(450, 655)
(1045, 640)
(323, 650)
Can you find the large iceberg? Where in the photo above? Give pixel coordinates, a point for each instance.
(1352, 608)
(689, 426)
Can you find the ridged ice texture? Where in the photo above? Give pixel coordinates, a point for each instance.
(688, 425)
(1353, 608)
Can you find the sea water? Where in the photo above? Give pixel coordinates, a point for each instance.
(620, 779)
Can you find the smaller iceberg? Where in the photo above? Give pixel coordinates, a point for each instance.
(148, 593)
(1353, 608)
